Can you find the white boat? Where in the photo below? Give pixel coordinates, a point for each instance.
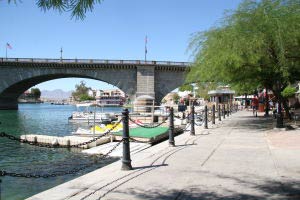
(98, 130)
(88, 116)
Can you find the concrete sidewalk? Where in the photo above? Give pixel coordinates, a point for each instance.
(240, 158)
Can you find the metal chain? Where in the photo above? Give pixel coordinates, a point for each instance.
(186, 127)
(144, 126)
(73, 171)
(135, 140)
(14, 138)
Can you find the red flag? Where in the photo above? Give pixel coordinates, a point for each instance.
(8, 46)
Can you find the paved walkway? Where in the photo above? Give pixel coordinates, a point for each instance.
(240, 158)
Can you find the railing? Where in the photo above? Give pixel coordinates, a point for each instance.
(93, 61)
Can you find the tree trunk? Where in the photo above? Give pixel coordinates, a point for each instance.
(279, 117)
(246, 101)
(267, 104)
(286, 108)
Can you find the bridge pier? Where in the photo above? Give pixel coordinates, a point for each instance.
(8, 104)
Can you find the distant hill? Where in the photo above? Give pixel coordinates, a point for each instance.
(55, 94)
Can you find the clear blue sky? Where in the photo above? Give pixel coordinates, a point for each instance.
(116, 29)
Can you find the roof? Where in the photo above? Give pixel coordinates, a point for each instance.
(212, 92)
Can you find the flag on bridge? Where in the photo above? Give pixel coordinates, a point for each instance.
(8, 46)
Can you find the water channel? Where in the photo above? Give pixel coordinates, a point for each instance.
(44, 119)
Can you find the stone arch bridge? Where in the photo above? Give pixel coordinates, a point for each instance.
(134, 77)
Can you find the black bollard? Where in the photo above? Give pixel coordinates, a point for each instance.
(213, 114)
(192, 132)
(219, 112)
(126, 161)
(205, 117)
(223, 111)
(171, 128)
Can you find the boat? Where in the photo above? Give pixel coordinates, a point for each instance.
(98, 130)
(89, 116)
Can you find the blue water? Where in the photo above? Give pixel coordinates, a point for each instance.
(44, 119)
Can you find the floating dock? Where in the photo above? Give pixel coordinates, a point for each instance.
(67, 140)
(138, 135)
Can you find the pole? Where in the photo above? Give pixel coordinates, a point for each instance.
(224, 111)
(205, 117)
(126, 161)
(227, 110)
(213, 114)
(6, 51)
(0, 188)
(219, 112)
(61, 51)
(146, 48)
(94, 123)
(192, 132)
(171, 128)
(152, 112)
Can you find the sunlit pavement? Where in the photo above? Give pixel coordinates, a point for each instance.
(241, 157)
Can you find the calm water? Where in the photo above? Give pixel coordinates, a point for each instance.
(14, 157)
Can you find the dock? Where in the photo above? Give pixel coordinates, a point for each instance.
(66, 140)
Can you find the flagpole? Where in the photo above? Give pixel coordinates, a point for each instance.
(146, 48)
(6, 52)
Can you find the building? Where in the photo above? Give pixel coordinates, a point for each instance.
(222, 95)
(110, 97)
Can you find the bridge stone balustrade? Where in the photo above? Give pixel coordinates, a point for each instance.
(134, 77)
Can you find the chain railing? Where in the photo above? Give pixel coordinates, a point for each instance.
(59, 173)
(200, 117)
(25, 141)
(149, 126)
(139, 141)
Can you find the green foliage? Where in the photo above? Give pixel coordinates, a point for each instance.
(289, 92)
(256, 45)
(176, 97)
(80, 90)
(186, 87)
(85, 97)
(78, 8)
(203, 89)
(36, 92)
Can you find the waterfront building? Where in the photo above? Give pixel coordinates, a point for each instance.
(110, 97)
(222, 95)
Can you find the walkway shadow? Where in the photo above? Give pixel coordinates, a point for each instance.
(269, 189)
(253, 123)
(150, 166)
(185, 145)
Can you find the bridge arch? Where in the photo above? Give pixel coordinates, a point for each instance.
(135, 78)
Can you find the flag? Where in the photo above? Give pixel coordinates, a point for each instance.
(8, 46)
